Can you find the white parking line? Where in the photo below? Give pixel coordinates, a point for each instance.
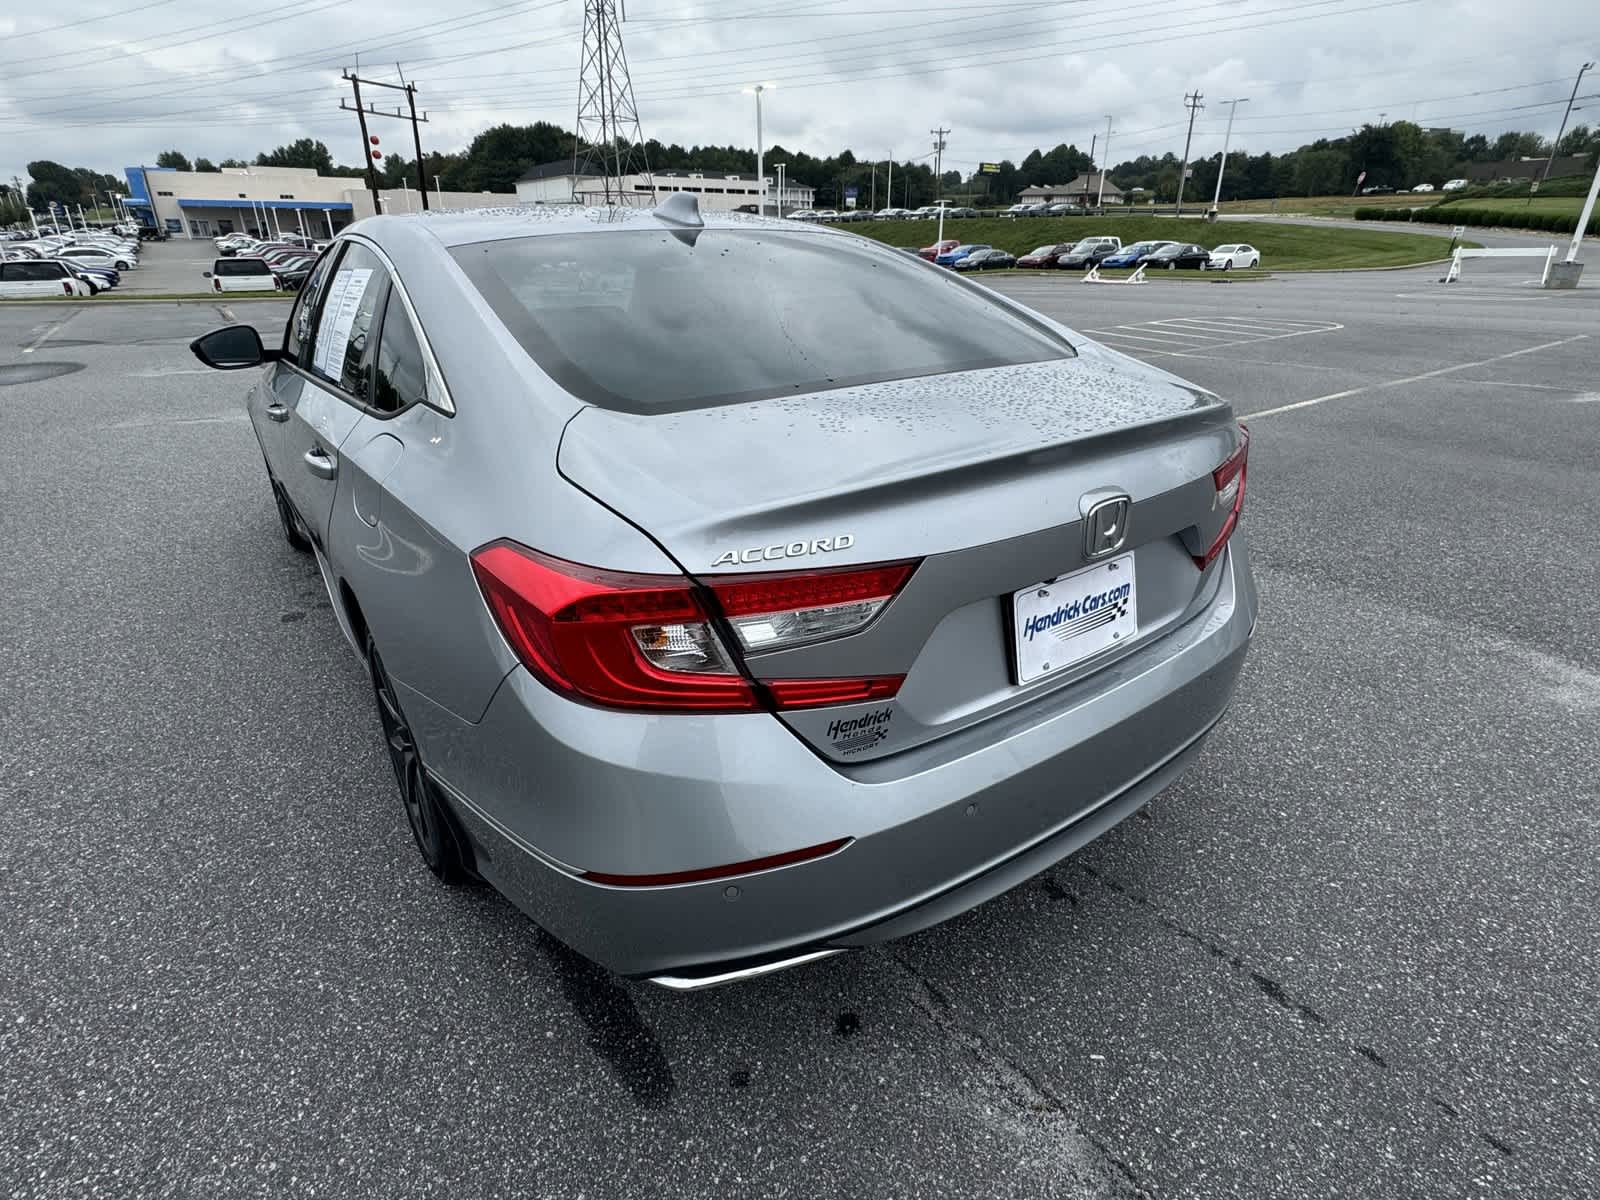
(1229, 325)
(1151, 331)
(1390, 383)
(48, 333)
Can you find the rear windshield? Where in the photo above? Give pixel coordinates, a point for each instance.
(652, 321)
(240, 266)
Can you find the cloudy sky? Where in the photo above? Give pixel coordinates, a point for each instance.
(106, 83)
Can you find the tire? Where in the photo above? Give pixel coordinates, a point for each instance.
(122, 266)
(294, 530)
(1228, 265)
(1172, 266)
(432, 829)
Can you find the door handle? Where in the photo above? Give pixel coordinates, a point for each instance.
(278, 412)
(320, 464)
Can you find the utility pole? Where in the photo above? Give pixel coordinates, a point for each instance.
(1100, 199)
(1556, 145)
(889, 191)
(364, 111)
(1233, 107)
(416, 136)
(873, 206)
(938, 177)
(1192, 103)
(780, 167)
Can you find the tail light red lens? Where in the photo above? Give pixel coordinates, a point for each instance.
(610, 638)
(649, 642)
(1228, 479)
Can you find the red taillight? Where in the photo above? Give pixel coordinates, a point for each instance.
(649, 642)
(66, 287)
(607, 637)
(1228, 479)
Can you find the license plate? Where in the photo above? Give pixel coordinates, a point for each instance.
(1063, 621)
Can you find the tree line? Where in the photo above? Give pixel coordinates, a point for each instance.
(1396, 154)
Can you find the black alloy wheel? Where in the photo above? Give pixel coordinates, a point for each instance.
(431, 827)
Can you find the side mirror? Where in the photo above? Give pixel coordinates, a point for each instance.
(233, 348)
(205, 274)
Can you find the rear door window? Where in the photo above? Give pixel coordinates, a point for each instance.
(399, 377)
(657, 321)
(240, 266)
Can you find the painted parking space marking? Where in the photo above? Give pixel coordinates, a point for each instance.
(1183, 337)
(1390, 383)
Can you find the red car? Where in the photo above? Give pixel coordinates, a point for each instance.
(1044, 256)
(932, 252)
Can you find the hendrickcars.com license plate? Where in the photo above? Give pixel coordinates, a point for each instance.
(1063, 621)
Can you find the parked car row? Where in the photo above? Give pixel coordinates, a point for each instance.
(249, 264)
(1098, 251)
(79, 262)
(1061, 208)
(928, 212)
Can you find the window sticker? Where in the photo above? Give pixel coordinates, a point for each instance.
(338, 315)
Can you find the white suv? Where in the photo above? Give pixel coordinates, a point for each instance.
(38, 280)
(242, 275)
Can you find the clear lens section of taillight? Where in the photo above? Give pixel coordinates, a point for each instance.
(776, 612)
(682, 647)
(1228, 479)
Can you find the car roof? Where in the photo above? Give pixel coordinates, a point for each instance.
(466, 227)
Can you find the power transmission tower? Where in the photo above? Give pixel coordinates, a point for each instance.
(610, 145)
(1192, 103)
(371, 110)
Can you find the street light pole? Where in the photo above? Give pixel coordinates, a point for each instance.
(889, 191)
(1233, 106)
(1556, 145)
(761, 175)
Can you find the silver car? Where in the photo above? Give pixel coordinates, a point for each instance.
(737, 592)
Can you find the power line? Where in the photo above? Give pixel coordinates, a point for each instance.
(121, 12)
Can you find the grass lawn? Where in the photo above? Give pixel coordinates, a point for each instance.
(1283, 247)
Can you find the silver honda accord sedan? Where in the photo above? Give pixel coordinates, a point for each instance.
(735, 594)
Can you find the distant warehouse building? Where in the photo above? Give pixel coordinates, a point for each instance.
(719, 191)
(270, 200)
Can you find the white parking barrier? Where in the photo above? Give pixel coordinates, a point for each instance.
(1546, 253)
(1092, 275)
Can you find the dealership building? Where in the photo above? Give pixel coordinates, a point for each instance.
(716, 191)
(271, 200)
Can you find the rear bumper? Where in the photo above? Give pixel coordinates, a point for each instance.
(546, 789)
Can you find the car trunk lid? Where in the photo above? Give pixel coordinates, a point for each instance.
(985, 476)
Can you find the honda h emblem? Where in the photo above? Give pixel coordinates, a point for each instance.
(1105, 527)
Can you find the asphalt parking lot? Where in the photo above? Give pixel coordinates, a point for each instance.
(1350, 953)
